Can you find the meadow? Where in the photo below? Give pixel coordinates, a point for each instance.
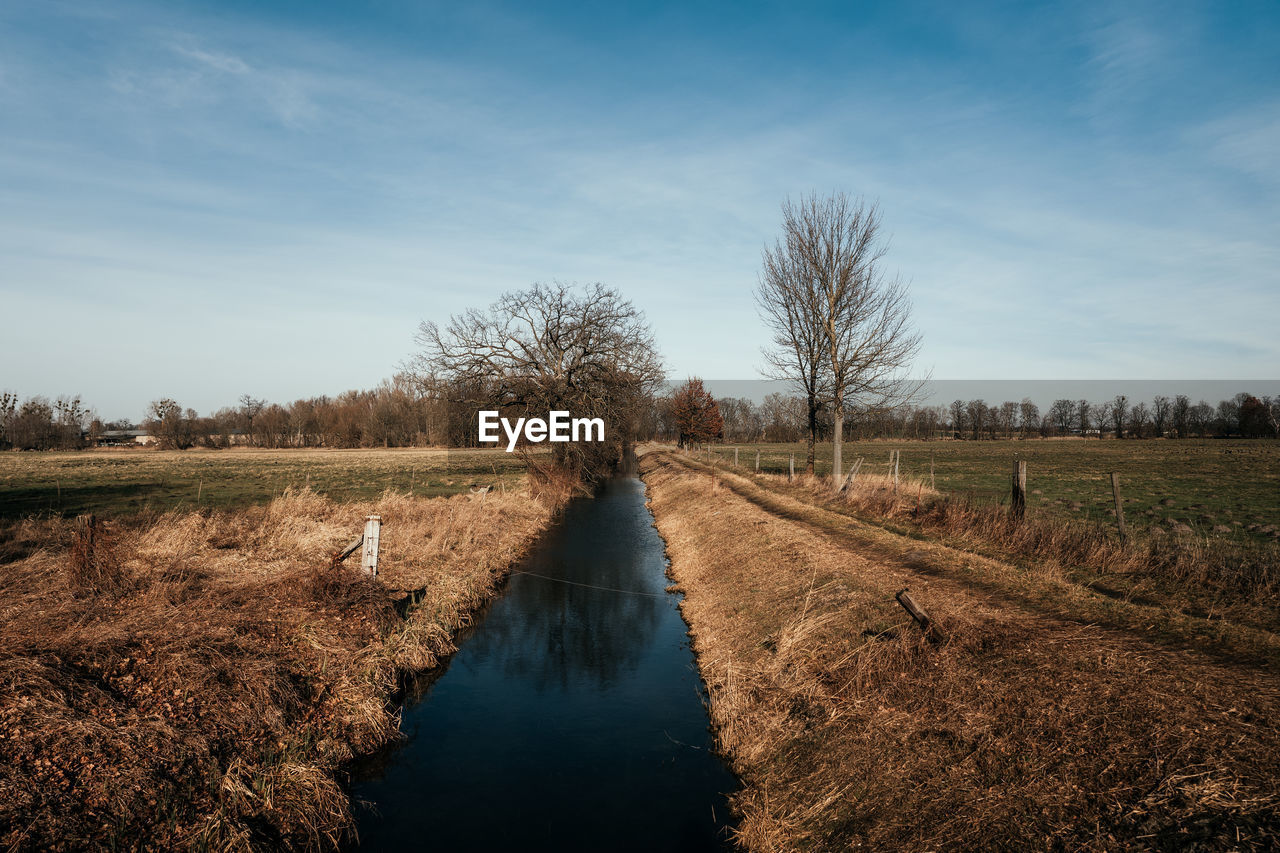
(132, 481)
(1219, 489)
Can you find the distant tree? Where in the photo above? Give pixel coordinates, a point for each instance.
(1161, 409)
(1119, 410)
(250, 408)
(1254, 417)
(957, 417)
(1180, 415)
(976, 415)
(784, 417)
(8, 413)
(70, 419)
(167, 423)
(1273, 413)
(1029, 414)
(1087, 415)
(1200, 418)
(32, 426)
(1008, 417)
(1139, 420)
(552, 347)
(697, 415)
(1063, 415)
(1227, 421)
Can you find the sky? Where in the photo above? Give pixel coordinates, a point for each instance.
(203, 200)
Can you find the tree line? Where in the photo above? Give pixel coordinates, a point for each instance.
(405, 412)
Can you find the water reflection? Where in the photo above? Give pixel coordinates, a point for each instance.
(572, 716)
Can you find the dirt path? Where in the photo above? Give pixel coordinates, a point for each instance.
(1026, 728)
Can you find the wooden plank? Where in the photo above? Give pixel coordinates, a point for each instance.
(372, 530)
(913, 607)
(853, 473)
(349, 550)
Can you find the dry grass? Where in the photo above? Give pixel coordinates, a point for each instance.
(212, 697)
(1189, 573)
(1023, 730)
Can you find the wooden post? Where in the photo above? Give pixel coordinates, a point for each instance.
(917, 612)
(791, 472)
(853, 472)
(735, 457)
(372, 529)
(1018, 503)
(931, 485)
(87, 532)
(199, 490)
(897, 457)
(1115, 494)
(757, 461)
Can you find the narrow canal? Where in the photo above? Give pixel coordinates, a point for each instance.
(571, 718)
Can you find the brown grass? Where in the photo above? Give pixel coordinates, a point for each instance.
(213, 699)
(1190, 573)
(1024, 730)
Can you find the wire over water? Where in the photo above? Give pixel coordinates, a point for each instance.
(592, 586)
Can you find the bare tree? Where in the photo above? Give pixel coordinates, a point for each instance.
(554, 346)
(1062, 414)
(1181, 415)
(788, 299)
(1085, 417)
(250, 408)
(1030, 414)
(1119, 410)
(833, 245)
(956, 410)
(1160, 411)
(1139, 420)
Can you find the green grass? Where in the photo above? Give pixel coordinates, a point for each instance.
(126, 482)
(1207, 485)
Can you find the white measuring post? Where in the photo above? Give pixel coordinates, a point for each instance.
(369, 561)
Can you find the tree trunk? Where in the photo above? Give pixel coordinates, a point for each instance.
(813, 436)
(837, 439)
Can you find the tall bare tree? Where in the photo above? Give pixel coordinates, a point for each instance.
(554, 346)
(788, 299)
(833, 246)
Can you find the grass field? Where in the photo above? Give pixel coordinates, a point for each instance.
(200, 679)
(1217, 488)
(1038, 712)
(125, 482)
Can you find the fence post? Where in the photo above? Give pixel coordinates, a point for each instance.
(1115, 494)
(853, 473)
(369, 560)
(1018, 504)
(757, 461)
(791, 472)
(897, 457)
(735, 457)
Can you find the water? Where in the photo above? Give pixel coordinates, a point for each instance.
(571, 718)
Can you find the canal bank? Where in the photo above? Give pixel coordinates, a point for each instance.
(572, 716)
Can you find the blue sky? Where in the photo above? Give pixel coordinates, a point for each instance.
(204, 200)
